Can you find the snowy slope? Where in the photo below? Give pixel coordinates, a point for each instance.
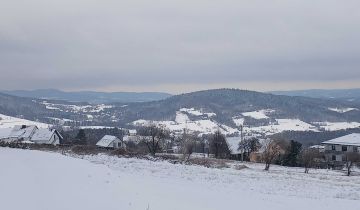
(260, 114)
(207, 126)
(47, 180)
(182, 121)
(9, 122)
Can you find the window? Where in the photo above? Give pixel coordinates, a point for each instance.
(333, 157)
(344, 148)
(333, 147)
(355, 149)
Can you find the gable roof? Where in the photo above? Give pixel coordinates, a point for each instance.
(349, 140)
(233, 144)
(107, 140)
(22, 131)
(44, 134)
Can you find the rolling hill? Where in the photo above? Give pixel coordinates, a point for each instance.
(202, 111)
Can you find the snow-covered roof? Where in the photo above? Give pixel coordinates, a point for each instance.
(22, 131)
(107, 140)
(132, 132)
(317, 147)
(44, 134)
(349, 140)
(233, 144)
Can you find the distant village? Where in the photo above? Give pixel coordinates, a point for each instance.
(342, 153)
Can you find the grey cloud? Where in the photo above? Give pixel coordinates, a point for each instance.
(77, 44)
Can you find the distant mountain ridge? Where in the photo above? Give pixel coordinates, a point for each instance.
(342, 94)
(90, 96)
(229, 103)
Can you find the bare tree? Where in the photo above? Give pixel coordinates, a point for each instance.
(218, 145)
(188, 143)
(351, 158)
(248, 145)
(153, 136)
(272, 149)
(308, 158)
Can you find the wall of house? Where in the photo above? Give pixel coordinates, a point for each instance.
(336, 153)
(339, 148)
(55, 140)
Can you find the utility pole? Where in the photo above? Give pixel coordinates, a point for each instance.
(241, 139)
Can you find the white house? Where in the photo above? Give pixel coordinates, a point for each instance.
(336, 149)
(46, 136)
(110, 142)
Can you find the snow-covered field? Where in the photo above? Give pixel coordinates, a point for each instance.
(209, 125)
(76, 108)
(35, 180)
(261, 114)
(10, 122)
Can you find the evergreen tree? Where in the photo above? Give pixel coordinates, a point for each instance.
(81, 137)
(292, 156)
(218, 145)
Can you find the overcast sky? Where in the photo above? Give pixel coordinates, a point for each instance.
(179, 46)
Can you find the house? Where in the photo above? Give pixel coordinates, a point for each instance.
(20, 133)
(336, 149)
(110, 142)
(238, 153)
(30, 134)
(233, 146)
(46, 136)
(132, 132)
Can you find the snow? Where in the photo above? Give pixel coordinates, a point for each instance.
(233, 144)
(182, 121)
(261, 114)
(349, 140)
(42, 135)
(107, 140)
(35, 180)
(181, 118)
(333, 126)
(10, 122)
(61, 119)
(5, 132)
(342, 110)
(77, 108)
(195, 112)
(283, 125)
(96, 127)
(238, 121)
(318, 147)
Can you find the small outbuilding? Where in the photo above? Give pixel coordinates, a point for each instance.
(110, 142)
